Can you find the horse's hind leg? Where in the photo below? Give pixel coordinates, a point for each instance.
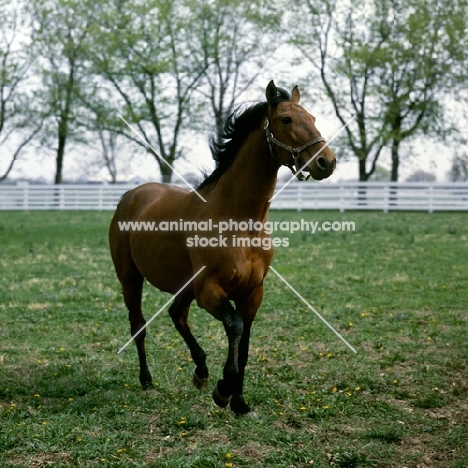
(179, 312)
(132, 286)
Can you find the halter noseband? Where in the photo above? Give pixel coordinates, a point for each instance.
(296, 168)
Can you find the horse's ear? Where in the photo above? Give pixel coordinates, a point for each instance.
(271, 92)
(296, 95)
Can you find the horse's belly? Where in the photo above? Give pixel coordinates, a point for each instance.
(162, 260)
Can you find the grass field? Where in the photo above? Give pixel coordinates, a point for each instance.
(396, 289)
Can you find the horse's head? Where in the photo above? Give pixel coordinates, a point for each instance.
(293, 138)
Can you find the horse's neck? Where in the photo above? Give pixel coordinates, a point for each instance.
(247, 186)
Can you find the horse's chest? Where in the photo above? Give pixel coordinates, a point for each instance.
(250, 272)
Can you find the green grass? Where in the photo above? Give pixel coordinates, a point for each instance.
(396, 289)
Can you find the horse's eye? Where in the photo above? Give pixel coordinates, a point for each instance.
(286, 120)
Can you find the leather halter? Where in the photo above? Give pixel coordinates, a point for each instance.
(295, 168)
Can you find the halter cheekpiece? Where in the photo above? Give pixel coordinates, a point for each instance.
(295, 168)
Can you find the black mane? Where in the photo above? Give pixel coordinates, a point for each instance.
(226, 144)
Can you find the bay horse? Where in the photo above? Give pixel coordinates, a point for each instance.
(254, 143)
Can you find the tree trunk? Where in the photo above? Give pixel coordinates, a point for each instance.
(362, 192)
(63, 124)
(394, 174)
(166, 173)
(395, 159)
(62, 137)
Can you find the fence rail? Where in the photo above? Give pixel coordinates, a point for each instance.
(383, 196)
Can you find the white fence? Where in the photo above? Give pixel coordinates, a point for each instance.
(383, 196)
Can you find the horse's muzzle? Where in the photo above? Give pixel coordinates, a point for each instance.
(322, 167)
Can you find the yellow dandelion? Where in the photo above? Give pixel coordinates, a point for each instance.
(302, 408)
(229, 455)
(334, 390)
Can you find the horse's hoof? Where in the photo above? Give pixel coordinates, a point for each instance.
(250, 415)
(198, 382)
(240, 407)
(219, 399)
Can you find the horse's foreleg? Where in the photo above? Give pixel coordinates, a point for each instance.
(132, 291)
(247, 309)
(179, 311)
(238, 404)
(232, 377)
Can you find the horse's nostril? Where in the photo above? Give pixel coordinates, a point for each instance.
(322, 164)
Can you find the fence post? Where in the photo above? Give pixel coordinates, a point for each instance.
(61, 197)
(341, 203)
(299, 197)
(386, 198)
(25, 186)
(431, 198)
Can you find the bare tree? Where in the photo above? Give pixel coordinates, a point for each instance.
(151, 59)
(17, 129)
(232, 33)
(62, 30)
(387, 62)
(459, 171)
